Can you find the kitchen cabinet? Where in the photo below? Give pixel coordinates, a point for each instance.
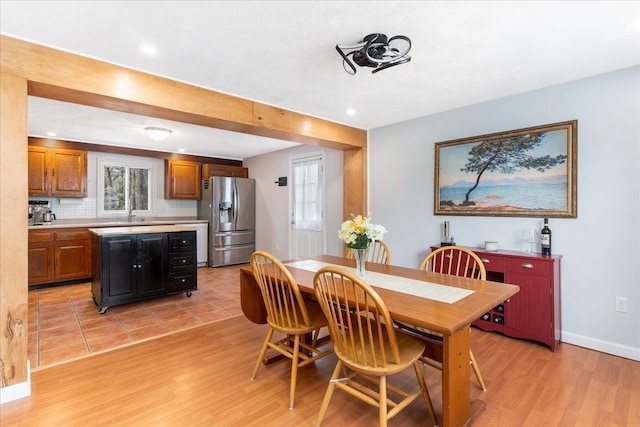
(209, 170)
(133, 264)
(534, 312)
(182, 180)
(58, 255)
(57, 172)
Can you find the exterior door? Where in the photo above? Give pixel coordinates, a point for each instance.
(307, 230)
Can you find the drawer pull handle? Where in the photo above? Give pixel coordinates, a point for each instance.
(448, 256)
(526, 265)
(485, 260)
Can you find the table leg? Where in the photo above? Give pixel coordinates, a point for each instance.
(456, 392)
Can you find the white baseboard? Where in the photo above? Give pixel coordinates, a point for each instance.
(602, 346)
(17, 391)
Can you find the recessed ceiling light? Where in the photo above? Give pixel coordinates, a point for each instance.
(51, 134)
(148, 48)
(351, 112)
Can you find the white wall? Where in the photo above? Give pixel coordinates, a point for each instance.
(272, 201)
(601, 248)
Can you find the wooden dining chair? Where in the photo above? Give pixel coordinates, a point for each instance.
(457, 261)
(287, 313)
(368, 347)
(378, 252)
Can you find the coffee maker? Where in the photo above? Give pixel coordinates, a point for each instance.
(40, 212)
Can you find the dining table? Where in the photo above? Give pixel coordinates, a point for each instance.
(441, 303)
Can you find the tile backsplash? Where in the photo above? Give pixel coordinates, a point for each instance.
(86, 207)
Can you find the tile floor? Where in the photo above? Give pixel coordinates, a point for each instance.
(64, 323)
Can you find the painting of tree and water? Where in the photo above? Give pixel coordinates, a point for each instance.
(525, 172)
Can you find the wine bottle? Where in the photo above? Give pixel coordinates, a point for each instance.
(545, 238)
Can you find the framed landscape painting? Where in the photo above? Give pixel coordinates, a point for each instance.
(529, 172)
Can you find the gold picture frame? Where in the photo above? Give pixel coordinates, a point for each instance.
(529, 172)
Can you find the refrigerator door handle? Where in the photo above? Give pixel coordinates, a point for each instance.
(235, 204)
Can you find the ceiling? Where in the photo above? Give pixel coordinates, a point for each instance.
(282, 53)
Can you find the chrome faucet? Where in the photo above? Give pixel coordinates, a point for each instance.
(131, 215)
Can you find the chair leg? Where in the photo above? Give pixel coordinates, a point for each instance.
(425, 392)
(382, 408)
(263, 351)
(476, 370)
(327, 395)
(294, 371)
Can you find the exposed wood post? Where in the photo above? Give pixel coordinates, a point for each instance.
(13, 230)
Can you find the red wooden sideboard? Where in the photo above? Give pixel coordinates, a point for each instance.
(534, 312)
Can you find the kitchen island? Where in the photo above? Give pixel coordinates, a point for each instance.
(137, 263)
(60, 250)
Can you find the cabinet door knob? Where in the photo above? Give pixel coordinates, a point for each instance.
(485, 260)
(526, 265)
(184, 242)
(184, 280)
(184, 260)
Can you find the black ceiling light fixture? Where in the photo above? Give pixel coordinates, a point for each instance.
(375, 51)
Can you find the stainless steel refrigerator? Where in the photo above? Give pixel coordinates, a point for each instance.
(229, 204)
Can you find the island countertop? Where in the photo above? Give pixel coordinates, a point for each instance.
(143, 229)
(113, 222)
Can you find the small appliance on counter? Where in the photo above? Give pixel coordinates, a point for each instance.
(40, 212)
(446, 238)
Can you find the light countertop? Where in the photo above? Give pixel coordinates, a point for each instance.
(115, 222)
(143, 229)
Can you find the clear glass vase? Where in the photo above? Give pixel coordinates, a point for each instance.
(360, 256)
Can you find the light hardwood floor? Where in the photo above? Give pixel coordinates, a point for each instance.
(200, 377)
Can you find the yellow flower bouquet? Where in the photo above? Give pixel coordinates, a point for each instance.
(359, 232)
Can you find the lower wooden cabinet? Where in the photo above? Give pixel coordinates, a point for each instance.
(59, 255)
(135, 267)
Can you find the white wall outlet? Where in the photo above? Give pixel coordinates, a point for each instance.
(621, 304)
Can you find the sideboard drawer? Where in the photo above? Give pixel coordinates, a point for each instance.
(492, 262)
(528, 266)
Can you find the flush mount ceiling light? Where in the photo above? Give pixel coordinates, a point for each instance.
(375, 51)
(158, 133)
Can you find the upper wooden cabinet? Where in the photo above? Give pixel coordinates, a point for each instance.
(57, 172)
(182, 180)
(223, 170)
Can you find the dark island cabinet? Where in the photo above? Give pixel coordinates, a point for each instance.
(137, 267)
(183, 262)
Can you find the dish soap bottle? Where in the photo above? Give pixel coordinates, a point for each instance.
(545, 238)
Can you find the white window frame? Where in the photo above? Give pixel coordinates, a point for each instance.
(127, 163)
